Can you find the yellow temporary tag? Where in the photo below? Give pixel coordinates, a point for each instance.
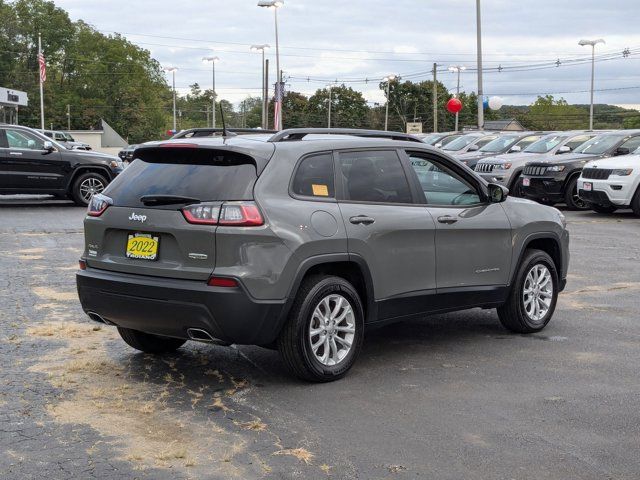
(320, 190)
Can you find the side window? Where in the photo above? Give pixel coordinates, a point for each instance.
(441, 186)
(314, 177)
(374, 176)
(23, 140)
(485, 140)
(632, 143)
(526, 141)
(577, 141)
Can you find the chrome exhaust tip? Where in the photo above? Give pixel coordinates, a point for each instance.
(98, 318)
(200, 335)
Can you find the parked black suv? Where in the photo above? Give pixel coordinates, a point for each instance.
(555, 180)
(32, 163)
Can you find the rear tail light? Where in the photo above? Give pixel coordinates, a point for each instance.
(202, 213)
(82, 265)
(98, 204)
(238, 214)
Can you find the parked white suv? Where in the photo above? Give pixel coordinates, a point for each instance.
(608, 184)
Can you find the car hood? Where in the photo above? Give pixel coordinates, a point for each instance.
(565, 158)
(510, 157)
(95, 156)
(623, 161)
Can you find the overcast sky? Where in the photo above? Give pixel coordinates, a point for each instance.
(328, 40)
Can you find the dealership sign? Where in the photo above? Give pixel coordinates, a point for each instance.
(13, 98)
(414, 127)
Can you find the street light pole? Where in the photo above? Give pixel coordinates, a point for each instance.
(275, 4)
(593, 44)
(457, 69)
(479, 52)
(213, 61)
(173, 71)
(262, 48)
(388, 79)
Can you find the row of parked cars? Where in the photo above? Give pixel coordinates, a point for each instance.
(598, 170)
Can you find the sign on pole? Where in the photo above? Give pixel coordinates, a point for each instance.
(414, 127)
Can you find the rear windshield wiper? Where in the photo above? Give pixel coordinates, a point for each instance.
(151, 200)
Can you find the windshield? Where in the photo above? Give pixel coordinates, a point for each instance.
(433, 138)
(545, 144)
(500, 144)
(599, 145)
(460, 142)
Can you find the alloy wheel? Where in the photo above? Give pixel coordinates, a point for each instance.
(89, 187)
(537, 293)
(332, 329)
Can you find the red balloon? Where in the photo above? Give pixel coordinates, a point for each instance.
(454, 105)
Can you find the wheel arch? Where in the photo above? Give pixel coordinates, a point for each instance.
(549, 243)
(352, 268)
(104, 171)
(570, 176)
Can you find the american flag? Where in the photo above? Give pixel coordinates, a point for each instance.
(43, 67)
(277, 108)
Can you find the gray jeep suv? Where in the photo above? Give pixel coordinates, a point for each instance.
(301, 239)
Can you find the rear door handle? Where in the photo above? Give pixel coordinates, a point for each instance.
(362, 220)
(448, 219)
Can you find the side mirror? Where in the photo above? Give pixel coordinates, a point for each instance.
(515, 148)
(563, 149)
(48, 146)
(438, 145)
(622, 151)
(473, 148)
(497, 193)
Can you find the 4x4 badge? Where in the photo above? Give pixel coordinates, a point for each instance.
(138, 218)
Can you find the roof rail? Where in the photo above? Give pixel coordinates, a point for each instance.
(293, 134)
(208, 131)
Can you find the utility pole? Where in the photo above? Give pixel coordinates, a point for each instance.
(329, 119)
(208, 116)
(68, 117)
(479, 52)
(41, 73)
(435, 97)
(266, 96)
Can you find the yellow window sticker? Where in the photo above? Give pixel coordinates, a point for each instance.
(320, 190)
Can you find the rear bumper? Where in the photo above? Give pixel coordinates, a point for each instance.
(545, 189)
(169, 307)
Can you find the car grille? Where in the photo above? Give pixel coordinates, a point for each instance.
(596, 173)
(484, 167)
(535, 170)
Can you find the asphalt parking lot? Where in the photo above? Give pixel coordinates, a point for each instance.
(447, 397)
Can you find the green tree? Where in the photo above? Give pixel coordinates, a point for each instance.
(547, 113)
(348, 108)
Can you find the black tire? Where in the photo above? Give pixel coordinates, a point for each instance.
(294, 342)
(148, 342)
(79, 196)
(602, 208)
(571, 198)
(515, 189)
(635, 203)
(512, 314)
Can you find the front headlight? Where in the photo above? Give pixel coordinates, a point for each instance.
(502, 166)
(116, 164)
(555, 168)
(623, 172)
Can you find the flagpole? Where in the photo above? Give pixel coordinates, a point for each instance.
(41, 87)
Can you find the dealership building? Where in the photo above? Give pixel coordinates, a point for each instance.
(10, 103)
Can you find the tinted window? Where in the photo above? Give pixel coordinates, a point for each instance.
(207, 175)
(441, 186)
(23, 140)
(460, 142)
(545, 144)
(314, 177)
(374, 177)
(632, 143)
(500, 144)
(526, 141)
(481, 143)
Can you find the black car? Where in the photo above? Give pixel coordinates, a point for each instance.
(555, 181)
(32, 163)
(126, 154)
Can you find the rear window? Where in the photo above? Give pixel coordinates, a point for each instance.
(208, 175)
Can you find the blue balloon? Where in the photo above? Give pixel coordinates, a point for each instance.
(485, 103)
